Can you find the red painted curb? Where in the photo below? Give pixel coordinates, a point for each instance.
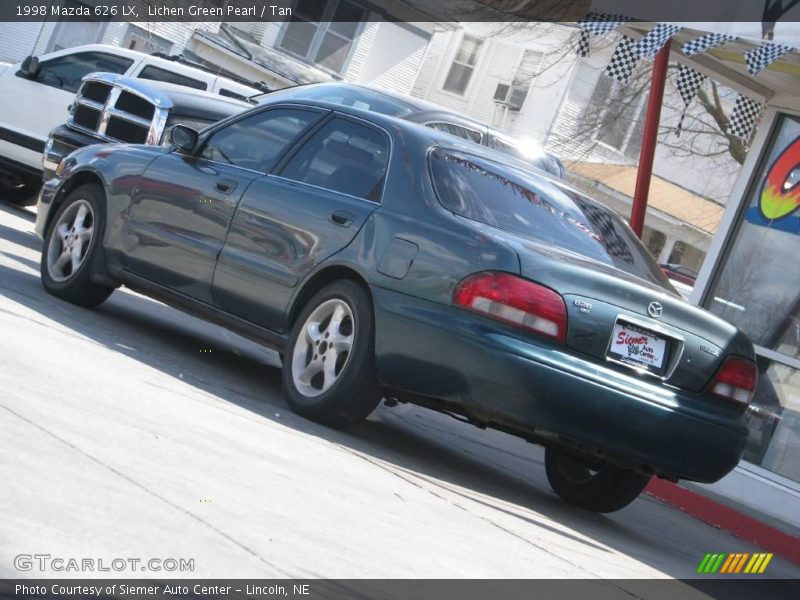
(714, 513)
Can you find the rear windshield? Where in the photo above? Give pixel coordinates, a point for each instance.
(535, 208)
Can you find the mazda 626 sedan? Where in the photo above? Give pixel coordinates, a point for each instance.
(386, 259)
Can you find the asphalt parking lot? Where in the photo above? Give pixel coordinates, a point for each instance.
(137, 431)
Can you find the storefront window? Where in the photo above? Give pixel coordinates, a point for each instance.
(774, 441)
(758, 290)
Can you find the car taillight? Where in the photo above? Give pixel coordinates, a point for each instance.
(516, 301)
(736, 380)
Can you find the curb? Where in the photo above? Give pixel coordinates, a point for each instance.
(714, 513)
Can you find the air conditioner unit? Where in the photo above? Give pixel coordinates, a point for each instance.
(510, 95)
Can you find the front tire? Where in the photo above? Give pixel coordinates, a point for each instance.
(71, 246)
(329, 366)
(592, 484)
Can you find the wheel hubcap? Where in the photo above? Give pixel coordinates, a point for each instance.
(323, 347)
(70, 241)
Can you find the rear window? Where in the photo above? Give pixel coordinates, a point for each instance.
(157, 74)
(538, 209)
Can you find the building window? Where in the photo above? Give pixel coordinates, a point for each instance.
(620, 111)
(144, 41)
(463, 66)
(323, 34)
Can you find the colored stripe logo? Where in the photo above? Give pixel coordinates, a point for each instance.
(736, 562)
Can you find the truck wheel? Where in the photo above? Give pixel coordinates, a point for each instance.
(590, 483)
(19, 193)
(70, 248)
(329, 365)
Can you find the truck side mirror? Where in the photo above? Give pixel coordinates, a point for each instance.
(30, 67)
(184, 138)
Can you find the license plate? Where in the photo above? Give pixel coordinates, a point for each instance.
(637, 347)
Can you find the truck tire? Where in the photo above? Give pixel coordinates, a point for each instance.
(329, 365)
(19, 193)
(71, 247)
(591, 484)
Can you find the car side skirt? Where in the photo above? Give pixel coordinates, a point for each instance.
(205, 311)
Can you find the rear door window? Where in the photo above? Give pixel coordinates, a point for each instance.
(345, 157)
(538, 209)
(66, 72)
(157, 74)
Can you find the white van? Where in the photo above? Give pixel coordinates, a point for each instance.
(35, 96)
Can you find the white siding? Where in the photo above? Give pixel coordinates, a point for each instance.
(429, 71)
(499, 59)
(254, 30)
(272, 30)
(391, 64)
(363, 48)
(17, 39)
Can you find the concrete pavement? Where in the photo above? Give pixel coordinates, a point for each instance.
(137, 431)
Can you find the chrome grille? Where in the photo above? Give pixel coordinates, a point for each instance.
(118, 109)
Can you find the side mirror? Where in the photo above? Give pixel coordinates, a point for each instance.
(184, 138)
(30, 67)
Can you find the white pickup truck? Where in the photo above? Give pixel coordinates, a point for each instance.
(36, 93)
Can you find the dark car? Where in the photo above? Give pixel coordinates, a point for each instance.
(386, 259)
(425, 113)
(112, 108)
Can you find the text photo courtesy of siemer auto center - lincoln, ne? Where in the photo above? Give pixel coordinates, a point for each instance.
(399, 299)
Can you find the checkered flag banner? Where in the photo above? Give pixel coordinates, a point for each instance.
(596, 24)
(649, 45)
(688, 82)
(623, 61)
(763, 56)
(743, 119)
(706, 42)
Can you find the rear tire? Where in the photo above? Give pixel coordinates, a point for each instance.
(329, 366)
(71, 247)
(591, 484)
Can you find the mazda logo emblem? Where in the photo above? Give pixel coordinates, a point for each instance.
(655, 309)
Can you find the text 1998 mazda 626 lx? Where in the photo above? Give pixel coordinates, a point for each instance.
(385, 259)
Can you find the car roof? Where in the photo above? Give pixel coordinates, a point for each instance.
(424, 135)
(418, 110)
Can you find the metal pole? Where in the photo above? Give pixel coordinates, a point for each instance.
(649, 139)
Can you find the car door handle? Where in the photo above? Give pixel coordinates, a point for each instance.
(225, 186)
(343, 218)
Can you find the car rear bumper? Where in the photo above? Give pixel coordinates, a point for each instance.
(438, 351)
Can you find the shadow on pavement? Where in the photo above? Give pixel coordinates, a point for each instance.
(460, 464)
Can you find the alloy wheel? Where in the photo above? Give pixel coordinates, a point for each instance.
(323, 347)
(70, 241)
